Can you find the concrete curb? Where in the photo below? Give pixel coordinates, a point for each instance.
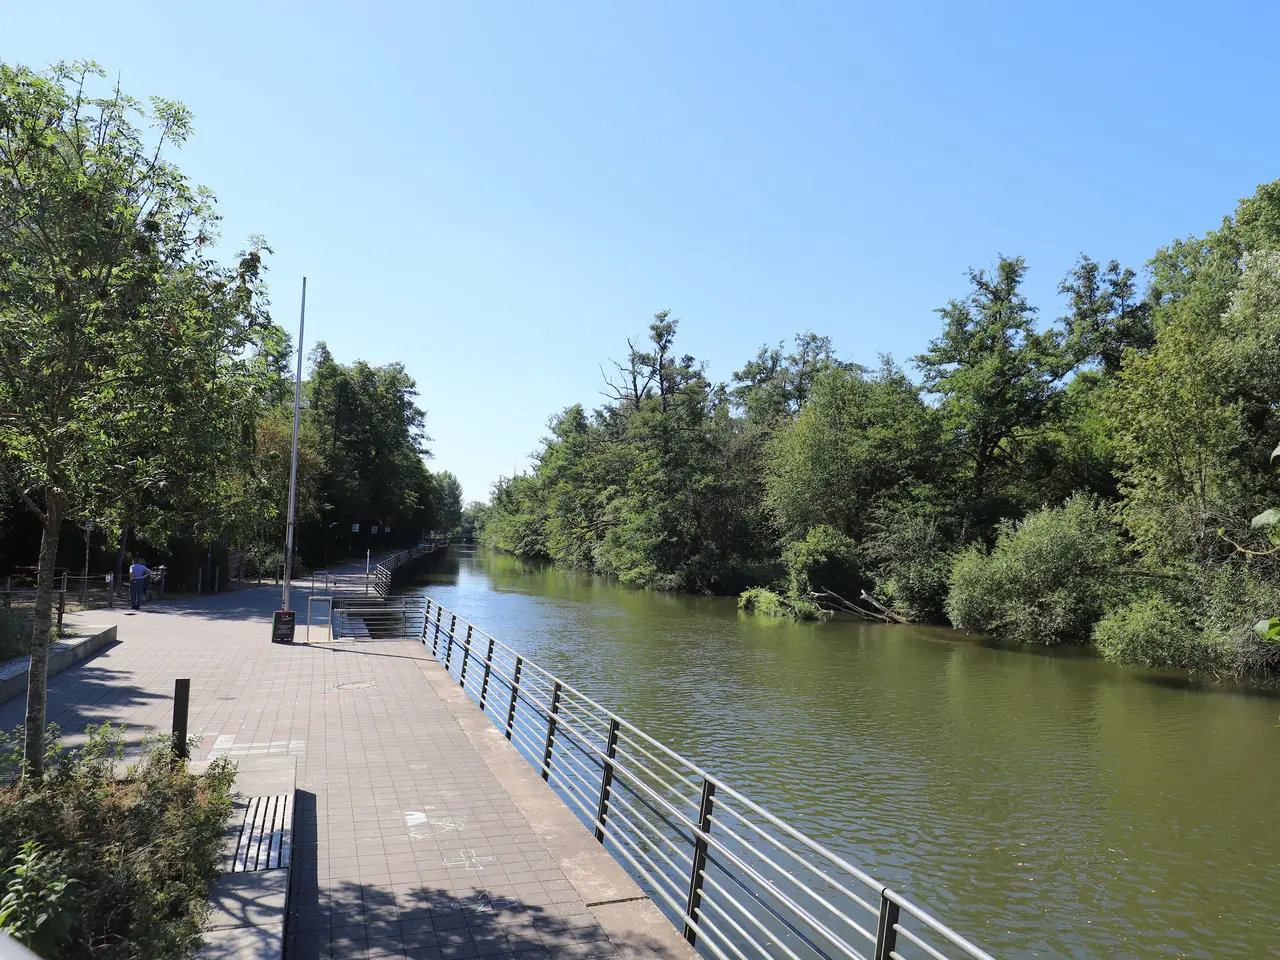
(250, 910)
(63, 654)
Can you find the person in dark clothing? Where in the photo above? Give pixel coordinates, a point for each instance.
(138, 573)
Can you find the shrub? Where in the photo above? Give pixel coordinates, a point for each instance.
(1048, 580)
(764, 601)
(1204, 623)
(824, 559)
(142, 852)
(1156, 632)
(15, 636)
(911, 556)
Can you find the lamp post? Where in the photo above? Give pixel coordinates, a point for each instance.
(282, 623)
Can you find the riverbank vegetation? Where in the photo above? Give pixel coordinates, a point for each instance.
(1090, 479)
(144, 387)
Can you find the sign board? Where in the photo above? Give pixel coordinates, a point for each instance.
(282, 624)
(355, 528)
(386, 529)
(375, 528)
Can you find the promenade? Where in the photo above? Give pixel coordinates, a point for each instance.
(419, 832)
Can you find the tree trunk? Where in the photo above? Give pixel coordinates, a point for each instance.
(38, 673)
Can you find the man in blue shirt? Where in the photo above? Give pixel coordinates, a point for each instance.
(137, 582)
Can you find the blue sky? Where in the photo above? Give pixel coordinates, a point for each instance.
(499, 194)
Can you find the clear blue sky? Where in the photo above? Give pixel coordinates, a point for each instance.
(498, 194)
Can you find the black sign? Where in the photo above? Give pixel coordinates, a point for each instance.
(282, 623)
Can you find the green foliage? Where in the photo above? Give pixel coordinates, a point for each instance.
(1048, 579)
(142, 852)
(857, 440)
(1155, 631)
(767, 603)
(35, 909)
(909, 555)
(825, 559)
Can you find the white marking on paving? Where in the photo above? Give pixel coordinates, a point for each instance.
(414, 817)
(485, 902)
(255, 749)
(467, 860)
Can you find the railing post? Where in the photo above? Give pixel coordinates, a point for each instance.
(699, 861)
(448, 647)
(426, 621)
(435, 641)
(551, 731)
(886, 935)
(466, 655)
(488, 666)
(606, 777)
(515, 695)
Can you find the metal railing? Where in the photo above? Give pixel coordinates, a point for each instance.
(383, 573)
(738, 881)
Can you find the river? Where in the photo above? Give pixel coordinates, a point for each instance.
(1043, 806)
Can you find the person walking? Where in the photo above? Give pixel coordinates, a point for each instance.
(138, 573)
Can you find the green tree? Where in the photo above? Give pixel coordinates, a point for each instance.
(997, 384)
(114, 323)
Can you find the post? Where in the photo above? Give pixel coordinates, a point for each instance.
(886, 935)
(488, 666)
(199, 580)
(293, 468)
(448, 645)
(367, 556)
(699, 861)
(217, 572)
(606, 778)
(62, 602)
(435, 641)
(181, 700)
(426, 621)
(88, 529)
(466, 655)
(163, 570)
(515, 695)
(551, 731)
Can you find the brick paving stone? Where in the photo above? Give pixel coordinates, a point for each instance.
(405, 844)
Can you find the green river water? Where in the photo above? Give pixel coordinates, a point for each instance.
(1042, 806)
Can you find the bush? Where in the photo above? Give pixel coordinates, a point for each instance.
(15, 636)
(764, 601)
(1048, 580)
(141, 853)
(911, 556)
(824, 559)
(1205, 626)
(1156, 632)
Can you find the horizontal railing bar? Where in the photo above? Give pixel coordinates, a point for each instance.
(817, 925)
(937, 926)
(725, 829)
(707, 926)
(706, 879)
(903, 931)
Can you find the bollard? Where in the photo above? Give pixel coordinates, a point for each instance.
(181, 700)
(199, 580)
(217, 571)
(62, 607)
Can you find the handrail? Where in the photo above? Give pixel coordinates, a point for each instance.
(382, 573)
(696, 844)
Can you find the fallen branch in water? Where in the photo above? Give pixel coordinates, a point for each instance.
(876, 612)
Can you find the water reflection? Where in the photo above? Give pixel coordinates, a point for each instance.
(1045, 806)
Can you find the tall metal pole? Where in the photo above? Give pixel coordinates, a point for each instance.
(293, 469)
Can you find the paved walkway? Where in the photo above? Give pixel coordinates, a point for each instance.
(419, 833)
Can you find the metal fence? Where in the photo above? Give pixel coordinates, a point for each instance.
(738, 881)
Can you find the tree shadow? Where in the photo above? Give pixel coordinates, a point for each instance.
(86, 693)
(422, 921)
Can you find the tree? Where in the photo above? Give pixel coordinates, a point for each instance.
(997, 383)
(115, 327)
(1107, 315)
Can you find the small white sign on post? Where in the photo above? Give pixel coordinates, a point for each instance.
(386, 529)
(375, 529)
(355, 528)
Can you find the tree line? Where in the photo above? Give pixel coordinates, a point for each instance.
(143, 384)
(1093, 479)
